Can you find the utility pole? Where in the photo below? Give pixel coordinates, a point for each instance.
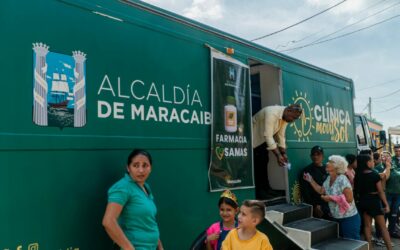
(370, 108)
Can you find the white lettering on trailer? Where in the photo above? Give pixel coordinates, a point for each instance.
(328, 114)
(137, 112)
(185, 111)
(119, 89)
(104, 110)
(163, 94)
(151, 114)
(223, 138)
(100, 106)
(119, 110)
(155, 94)
(150, 95)
(106, 80)
(133, 93)
(182, 96)
(163, 114)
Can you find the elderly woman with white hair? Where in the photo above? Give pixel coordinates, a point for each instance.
(337, 191)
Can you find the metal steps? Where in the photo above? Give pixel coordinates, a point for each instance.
(311, 230)
(297, 224)
(338, 244)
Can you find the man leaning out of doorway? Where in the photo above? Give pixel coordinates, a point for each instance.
(269, 127)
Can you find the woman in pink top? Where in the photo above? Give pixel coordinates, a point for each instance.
(228, 208)
(350, 172)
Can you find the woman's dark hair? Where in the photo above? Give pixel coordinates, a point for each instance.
(137, 152)
(366, 152)
(228, 201)
(377, 155)
(362, 162)
(350, 158)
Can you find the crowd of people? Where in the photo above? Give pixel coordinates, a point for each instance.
(354, 191)
(130, 216)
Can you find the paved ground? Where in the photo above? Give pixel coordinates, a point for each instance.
(395, 241)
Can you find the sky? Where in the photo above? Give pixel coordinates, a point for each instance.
(369, 56)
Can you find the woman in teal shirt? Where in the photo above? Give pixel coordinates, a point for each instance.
(130, 217)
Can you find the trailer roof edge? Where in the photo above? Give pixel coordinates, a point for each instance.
(208, 29)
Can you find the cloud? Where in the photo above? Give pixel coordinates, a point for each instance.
(368, 57)
(67, 66)
(204, 9)
(350, 6)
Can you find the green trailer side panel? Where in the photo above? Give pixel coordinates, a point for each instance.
(328, 110)
(117, 55)
(54, 180)
(327, 121)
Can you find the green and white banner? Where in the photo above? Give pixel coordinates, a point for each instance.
(231, 148)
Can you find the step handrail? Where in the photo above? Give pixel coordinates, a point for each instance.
(280, 227)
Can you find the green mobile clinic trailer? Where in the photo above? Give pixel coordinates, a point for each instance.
(84, 82)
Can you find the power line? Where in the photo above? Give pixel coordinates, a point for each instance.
(301, 39)
(378, 104)
(378, 84)
(398, 90)
(337, 37)
(295, 24)
(359, 21)
(366, 106)
(296, 41)
(389, 109)
(383, 102)
(373, 5)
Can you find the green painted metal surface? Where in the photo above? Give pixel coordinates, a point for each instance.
(327, 121)
(53, 181)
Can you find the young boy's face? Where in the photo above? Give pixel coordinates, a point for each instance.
(246, 219)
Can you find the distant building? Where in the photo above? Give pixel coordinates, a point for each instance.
(374, 128)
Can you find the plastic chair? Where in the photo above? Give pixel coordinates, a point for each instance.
(199, 242)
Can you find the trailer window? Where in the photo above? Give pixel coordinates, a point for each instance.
(361, 138)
